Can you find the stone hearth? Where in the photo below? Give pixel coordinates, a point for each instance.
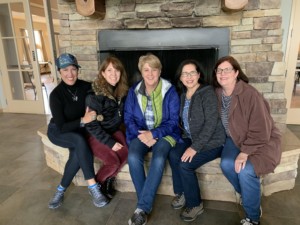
(213, 184)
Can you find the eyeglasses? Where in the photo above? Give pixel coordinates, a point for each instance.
(225, 70)
(191, 74)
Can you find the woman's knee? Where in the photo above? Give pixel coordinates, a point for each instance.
(80, 140)
(136, 149)
(111, 160)
(158, 161)
(161, 150)
(135, 145)
(227, 165)
(186, 167)
(173, 157)
(134, 157)
(248, 173)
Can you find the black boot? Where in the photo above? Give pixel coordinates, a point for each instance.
(108, 187)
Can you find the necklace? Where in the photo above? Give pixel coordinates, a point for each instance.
(74, 95)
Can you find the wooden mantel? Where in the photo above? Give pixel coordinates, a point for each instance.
(233, 5)
(90, 7)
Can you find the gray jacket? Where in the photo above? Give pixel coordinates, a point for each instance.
(206, 128)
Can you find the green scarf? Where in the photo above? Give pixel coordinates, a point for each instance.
(157, 104)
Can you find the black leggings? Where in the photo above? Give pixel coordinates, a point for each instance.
(80, 155)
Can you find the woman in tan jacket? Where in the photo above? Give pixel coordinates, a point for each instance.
(252, 146)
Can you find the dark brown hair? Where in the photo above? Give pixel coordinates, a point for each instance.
(180, 87)
(121, 88)
(235, 65)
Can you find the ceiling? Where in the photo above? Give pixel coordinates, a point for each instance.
(37, 11)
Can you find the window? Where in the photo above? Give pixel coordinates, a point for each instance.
(39, 42)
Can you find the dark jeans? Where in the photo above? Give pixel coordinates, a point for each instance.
(80, 155)
(183, 173)
(113, 161)
(146, 187)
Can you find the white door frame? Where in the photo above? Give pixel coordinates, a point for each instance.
(50, 30)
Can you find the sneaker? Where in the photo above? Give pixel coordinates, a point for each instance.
(190, 214)
(57, 199)
(108, 187)
(99, 199)
(138, 218)
(247, 221)
(178, 201)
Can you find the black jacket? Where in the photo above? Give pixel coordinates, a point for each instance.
(204, 121)
(109, 116)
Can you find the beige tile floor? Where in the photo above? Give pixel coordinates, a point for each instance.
(26, 184)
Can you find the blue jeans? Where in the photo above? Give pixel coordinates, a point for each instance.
(246, 183)
(80, 155)
(183, 173)
(146, 187)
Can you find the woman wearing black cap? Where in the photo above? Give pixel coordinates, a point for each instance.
(66, 129)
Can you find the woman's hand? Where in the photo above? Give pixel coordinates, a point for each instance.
(145, 136)
(89, 116)
(117, 146)
(151, 142)
(240, 162)
(188, 155)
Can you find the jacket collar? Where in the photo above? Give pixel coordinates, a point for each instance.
(105, 90)
(165, 86)
(239, 87)
(156, 91)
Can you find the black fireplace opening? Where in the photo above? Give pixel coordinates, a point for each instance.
(171, 46)
(170, 60)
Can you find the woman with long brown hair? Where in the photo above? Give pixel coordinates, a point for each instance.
(106, 139)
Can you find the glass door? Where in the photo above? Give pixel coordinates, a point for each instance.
(292, 90)
(19, 63)
(45, 21)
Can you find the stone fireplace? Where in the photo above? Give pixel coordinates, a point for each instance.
(253, 36)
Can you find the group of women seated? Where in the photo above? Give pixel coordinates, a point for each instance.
(189, 123)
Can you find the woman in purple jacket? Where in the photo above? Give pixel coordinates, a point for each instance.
(151, 117)
(252, 146)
